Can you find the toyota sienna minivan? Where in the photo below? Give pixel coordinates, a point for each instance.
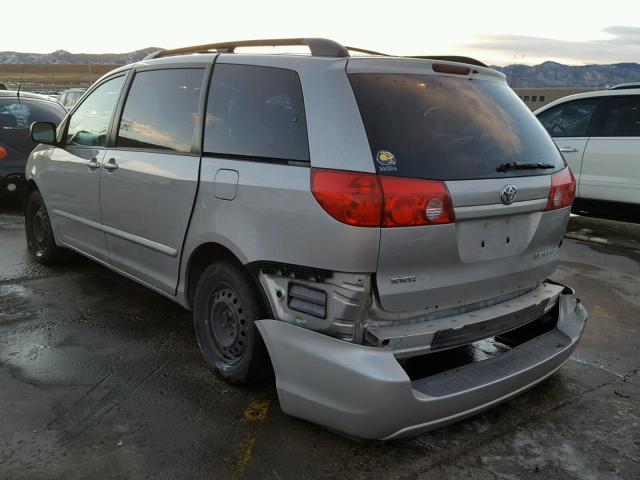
(346, 219)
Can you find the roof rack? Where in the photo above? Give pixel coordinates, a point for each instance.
(320, 47)
(625, 86)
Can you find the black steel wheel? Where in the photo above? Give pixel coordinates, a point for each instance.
(40, 240)
(226, 305)
(228, 324)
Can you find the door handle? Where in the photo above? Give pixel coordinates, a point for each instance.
(568, 150)
(110, 165)
(93, 164)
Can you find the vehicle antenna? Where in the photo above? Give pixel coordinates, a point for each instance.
(20, 82)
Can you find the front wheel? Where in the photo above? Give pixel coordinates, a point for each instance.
(225, 308)
(40, 240)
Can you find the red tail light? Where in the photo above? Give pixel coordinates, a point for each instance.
(409, 202)
(367, 200)
(349, 197)
(563, 190)
(3, 152)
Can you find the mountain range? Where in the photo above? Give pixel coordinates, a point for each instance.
(553, 74)
(546, 74)
(63, 57)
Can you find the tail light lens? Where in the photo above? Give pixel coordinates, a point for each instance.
(3, 152)
(563, 190)
(367, 200)
(349, 197)
(409, 202)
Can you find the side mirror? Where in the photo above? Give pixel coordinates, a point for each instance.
(44, 132)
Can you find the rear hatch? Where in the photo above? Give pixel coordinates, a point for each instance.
(465, 128)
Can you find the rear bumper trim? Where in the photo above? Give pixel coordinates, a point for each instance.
(429, 336)
(364, 392)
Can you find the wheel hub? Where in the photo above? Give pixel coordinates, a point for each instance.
(227, 323)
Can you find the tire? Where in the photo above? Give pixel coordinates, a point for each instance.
(226, 305)
(40, 239)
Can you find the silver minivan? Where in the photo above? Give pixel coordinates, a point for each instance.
(350, 221)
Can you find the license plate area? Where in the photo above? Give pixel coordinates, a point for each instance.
(496, 237)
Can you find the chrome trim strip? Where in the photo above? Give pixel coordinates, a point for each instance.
(158, 247)
(84, 221)
(497, 209)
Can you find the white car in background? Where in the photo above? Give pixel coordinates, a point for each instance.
(598, 133)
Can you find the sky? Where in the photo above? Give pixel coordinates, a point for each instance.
(495, 31)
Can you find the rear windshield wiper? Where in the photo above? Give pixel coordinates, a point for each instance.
(522, 166)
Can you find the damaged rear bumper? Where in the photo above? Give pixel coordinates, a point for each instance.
(364, 392)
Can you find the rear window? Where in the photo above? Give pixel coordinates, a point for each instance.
(446, 128)
(256, 112)
(18, 114)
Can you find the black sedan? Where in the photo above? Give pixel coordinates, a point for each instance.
(17, 112)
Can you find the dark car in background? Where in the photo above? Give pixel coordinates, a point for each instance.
(18, 110)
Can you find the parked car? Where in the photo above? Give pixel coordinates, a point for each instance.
(17, 112)
(599, 135)
(70, 97)
(358, 215)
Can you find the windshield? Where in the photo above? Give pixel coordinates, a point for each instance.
(446, 128)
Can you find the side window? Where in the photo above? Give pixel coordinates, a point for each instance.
(623, 117)
(89, 124)
(256, 112)
(161, 110)
(569, 119)
(63, 98)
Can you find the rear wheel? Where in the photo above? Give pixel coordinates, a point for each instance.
(226, 306)
(40, 240)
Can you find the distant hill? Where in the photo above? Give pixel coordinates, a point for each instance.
(60, 57)
(547, 74)
(553, 74)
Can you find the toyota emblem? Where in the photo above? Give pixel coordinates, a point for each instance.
(508, 194)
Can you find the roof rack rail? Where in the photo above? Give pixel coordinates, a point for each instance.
(368, 52)
(320, 47)
(625, 86)
(453, 58)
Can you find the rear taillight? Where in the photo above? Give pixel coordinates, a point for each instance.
(563, 190)
(369, 200)
(3, 152)
(409, 202)
(349, 197)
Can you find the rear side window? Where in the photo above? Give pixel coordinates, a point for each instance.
(256, 112)
(623, 117)
(161, 110)
(446, 128)
(569, 119)
(20, 114)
